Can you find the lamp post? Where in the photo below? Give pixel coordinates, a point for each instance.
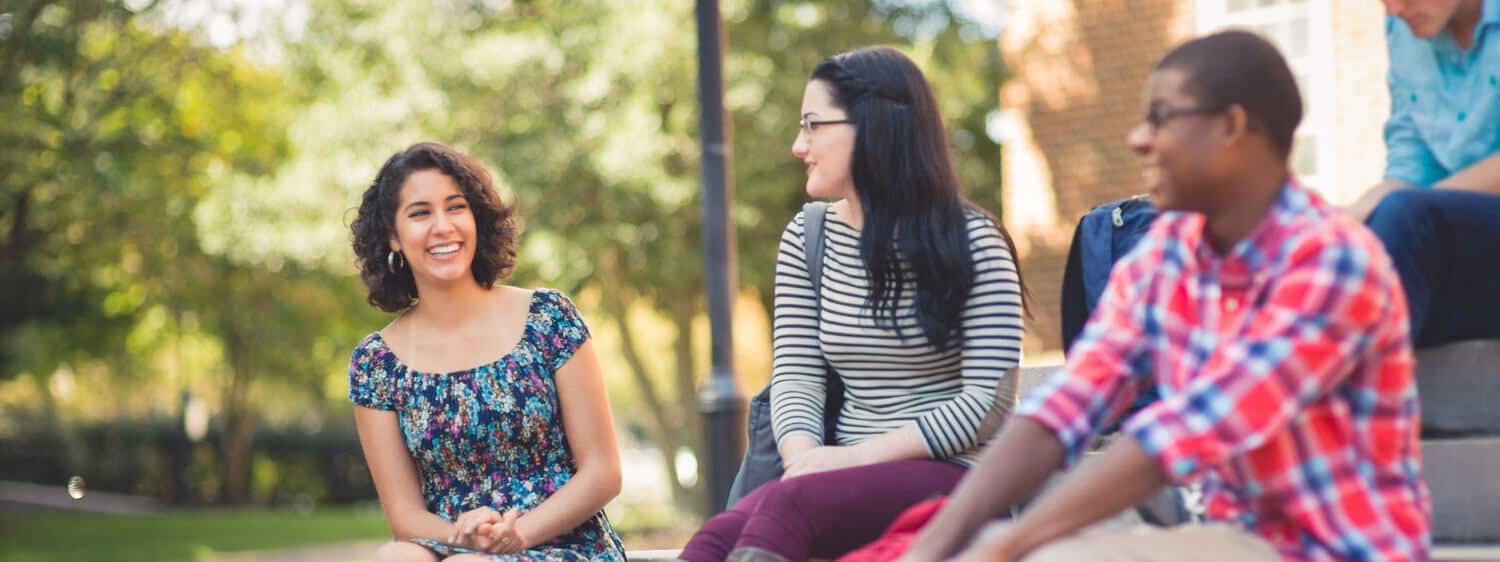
(719, 401)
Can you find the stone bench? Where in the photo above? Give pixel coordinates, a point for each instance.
(1460, 385)
(667, 555)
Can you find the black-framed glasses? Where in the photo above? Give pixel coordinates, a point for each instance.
(1158, 115)
(809, 125)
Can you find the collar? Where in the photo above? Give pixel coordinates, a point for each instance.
(1292, 203)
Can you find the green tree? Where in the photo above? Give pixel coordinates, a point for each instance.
(113, 129)
(587, 112)
(130, 143)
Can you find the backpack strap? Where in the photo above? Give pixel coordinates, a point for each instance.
(813, 215)
(812, 244)
(1075, 309)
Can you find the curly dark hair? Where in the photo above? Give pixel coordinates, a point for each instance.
(496, 224)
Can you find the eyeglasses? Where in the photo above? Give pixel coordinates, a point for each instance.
(808, 125)
(1158, 115)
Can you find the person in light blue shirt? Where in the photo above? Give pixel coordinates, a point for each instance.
(1438, 209)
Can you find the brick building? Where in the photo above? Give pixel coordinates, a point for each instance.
(1080, 67)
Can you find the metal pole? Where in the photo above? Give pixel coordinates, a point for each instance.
(719, 401)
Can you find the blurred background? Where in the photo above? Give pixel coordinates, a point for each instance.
(178, 300)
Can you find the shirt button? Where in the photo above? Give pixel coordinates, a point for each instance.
(1462, 115)
(1184, 466)
(1232, 305)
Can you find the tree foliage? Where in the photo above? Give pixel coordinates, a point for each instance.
(149, 174)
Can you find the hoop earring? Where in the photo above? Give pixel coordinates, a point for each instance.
(390, 261)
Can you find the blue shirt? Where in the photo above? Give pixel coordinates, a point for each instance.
(1445, 101)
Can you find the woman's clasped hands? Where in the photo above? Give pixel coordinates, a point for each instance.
(487, 530)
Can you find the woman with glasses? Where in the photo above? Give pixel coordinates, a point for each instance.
(918, 313)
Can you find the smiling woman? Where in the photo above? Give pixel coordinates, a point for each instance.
(413, 186)
(462, 400)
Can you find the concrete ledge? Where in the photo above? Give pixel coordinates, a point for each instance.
(1466, 553)
(1031, 377)
(1458, 384)
(1465, 488)
(1440, 553)
(667, 555)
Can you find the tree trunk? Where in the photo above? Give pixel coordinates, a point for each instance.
(661, 415)
(234, 446)
(15, 244)
(17, 55)
(666, 417)
(73, 452)
(687, 397)
(243, 345)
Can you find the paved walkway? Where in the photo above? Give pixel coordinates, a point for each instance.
(344, 552)
(25, 495)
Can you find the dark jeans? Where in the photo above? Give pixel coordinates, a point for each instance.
(823, 515)
(1445, 244)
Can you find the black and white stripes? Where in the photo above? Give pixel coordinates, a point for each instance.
(890, 381)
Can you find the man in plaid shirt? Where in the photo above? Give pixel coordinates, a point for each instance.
(1276, 330)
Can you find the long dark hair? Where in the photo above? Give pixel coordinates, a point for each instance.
(496, 224)
(903, 175)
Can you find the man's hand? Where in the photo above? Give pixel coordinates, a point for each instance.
(1482, 176)
(1361, 208)
(823, 459)
(992, 544)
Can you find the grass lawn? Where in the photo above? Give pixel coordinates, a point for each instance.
(179, 535)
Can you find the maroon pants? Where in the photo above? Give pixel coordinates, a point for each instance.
(822, 515)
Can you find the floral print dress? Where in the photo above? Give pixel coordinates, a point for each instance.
(492, 435)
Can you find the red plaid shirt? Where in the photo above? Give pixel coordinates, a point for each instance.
(1285, 372)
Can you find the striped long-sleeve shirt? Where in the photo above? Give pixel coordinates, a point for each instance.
(889, 380)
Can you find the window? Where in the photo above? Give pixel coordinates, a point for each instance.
(1289, 24)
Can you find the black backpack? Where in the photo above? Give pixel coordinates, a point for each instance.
(1103, 236)
(762, 461)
